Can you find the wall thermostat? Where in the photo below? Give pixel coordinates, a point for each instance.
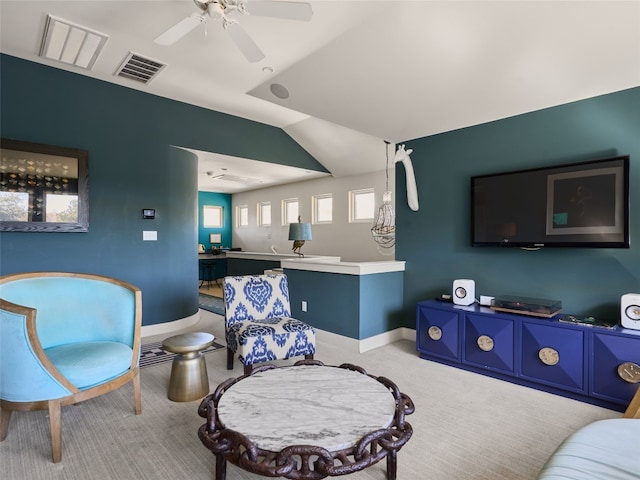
(148, 213)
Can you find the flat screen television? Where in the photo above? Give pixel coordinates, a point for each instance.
(582, 204)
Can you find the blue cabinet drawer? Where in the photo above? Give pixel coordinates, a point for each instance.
(609, 352)
(489, 342)
(589, 364)
(554, 356)
(438, 333)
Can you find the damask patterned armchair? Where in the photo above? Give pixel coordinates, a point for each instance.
(258, 323)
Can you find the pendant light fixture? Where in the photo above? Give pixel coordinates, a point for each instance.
(384, 227)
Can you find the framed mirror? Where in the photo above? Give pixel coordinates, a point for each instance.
(43, 188)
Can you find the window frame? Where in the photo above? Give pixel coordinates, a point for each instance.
(216, 222)
(316, 200)
(286, 203)
(240, 209)
(261, 206)
(353, 205)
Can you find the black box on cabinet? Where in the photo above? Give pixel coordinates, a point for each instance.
(538, 307)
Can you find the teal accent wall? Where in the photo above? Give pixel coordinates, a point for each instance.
(215, 199)
(245, 266)
(435, 240)
(355, 306)
(131, 137)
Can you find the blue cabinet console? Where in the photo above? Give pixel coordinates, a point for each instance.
(590, 364)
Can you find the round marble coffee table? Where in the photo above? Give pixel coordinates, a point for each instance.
(307, 421)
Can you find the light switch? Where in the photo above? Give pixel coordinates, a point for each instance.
(149, 235)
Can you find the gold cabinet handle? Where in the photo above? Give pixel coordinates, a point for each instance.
(629, 372)
(549, 356)
(485, 342)
(435, 333)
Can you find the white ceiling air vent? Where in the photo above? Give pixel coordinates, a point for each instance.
(139, 68)
(235, 178)
(70, 43)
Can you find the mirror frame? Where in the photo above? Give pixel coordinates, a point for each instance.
(82, 157)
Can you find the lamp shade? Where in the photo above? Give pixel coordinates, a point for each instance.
(299, 231)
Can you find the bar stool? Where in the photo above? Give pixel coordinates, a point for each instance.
(189, 380)
(208, 273)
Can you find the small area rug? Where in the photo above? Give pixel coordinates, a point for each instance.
(211, 304)
(153, 353)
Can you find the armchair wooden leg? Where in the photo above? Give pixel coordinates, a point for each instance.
(55, 419)
(309, 356)
(248, 369)
(229, 359)
(5, 418)
(137, 395)
(633, 410)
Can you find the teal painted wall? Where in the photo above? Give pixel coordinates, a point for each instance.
(354, 306)
(215, 199)
(380, 303)
(244, 266)
(435, 241)
(332, 301)
(132, 165)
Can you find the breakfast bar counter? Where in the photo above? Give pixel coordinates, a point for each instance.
(361, 301)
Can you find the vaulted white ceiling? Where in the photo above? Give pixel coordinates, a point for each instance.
(362, 71)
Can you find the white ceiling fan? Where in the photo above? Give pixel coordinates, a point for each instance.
(220, 9)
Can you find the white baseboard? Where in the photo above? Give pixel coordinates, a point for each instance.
(346, 343)
(361, 346)
(386, 338)
(170, 327)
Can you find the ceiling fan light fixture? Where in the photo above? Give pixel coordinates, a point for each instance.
(218, 9)
(215, 10)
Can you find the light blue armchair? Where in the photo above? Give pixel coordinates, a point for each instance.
(65, 338)
(258, 323)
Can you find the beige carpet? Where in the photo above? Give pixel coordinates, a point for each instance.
(466, 426)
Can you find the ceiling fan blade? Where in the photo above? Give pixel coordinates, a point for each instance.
(245, 43)
(287, 10)
(179, 30)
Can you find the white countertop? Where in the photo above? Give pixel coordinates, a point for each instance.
(348, 268)
(274, 257)
(325, 264)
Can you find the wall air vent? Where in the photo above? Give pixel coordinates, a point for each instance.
(70, 43)
(139, 68)
(236, 179)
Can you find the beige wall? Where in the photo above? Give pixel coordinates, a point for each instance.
(351, 241)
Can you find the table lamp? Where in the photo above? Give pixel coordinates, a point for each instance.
(299, 233)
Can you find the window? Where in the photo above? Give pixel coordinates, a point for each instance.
(242, 216)
(361, 205)
(211, 216)
(289, 211)
(322, 208)
(61, 208)
(264, 214)
(14, 206)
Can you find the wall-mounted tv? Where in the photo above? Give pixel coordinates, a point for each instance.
(582, 204)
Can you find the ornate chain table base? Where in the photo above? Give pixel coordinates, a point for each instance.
(305, 462)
